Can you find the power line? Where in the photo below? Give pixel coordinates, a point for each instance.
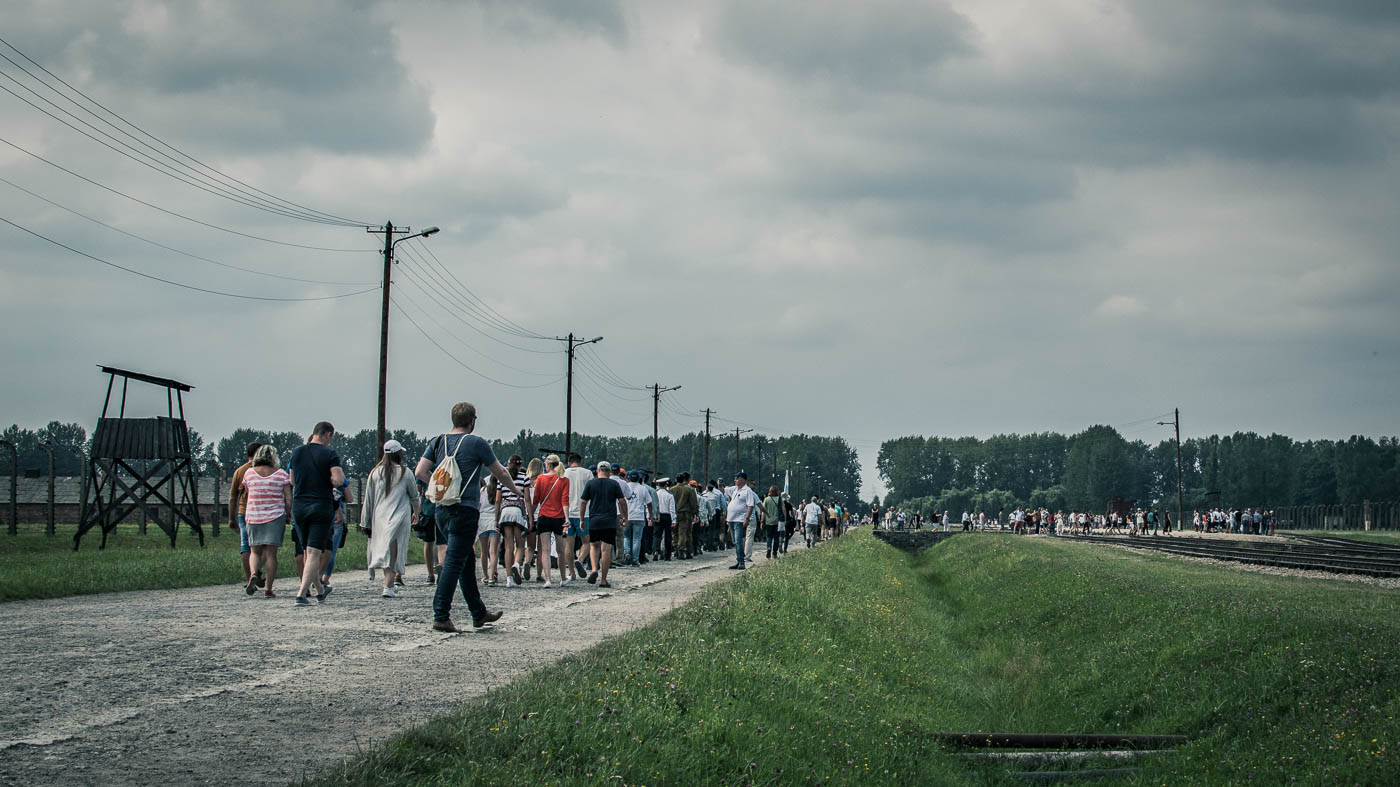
(169, 212)
(176, 283)
(459, 338)
(150, 163)
(518, 329)
(158, 244)
(275, 199)
(415, 278)
(459, 361)
(616, 379)
(599, 413)
(459, 310)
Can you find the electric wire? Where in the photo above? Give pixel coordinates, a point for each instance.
(169, 212)
(615, 378)
(415, 277)
(427, 293)
(599, 413)
(181, 284)
(191, 255)
(510, 326)
(459, 361)
(424, 272)
(275, 199)
(153, 164)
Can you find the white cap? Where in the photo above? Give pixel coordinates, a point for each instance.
(393, 447)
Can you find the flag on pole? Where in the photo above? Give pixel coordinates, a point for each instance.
(787, 477)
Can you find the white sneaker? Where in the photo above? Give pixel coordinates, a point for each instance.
(566, 582)
(511, 583)
(547, 584)
(390, 593)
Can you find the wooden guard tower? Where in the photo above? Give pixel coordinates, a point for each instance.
(141, 464)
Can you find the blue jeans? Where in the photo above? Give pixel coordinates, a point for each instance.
(243, 547)
(736, 529)
(459, 564)
(337, 536)
(632, 538)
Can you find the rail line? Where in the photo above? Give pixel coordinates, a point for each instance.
(1352, 557)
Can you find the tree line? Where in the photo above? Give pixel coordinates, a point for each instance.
(823, 466)
(1086, 470)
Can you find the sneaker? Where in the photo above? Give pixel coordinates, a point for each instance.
(514, 576)
(324, 594)
(525, 570)
(604, 584)
(252, 586)
(736, 566)
(567, 581)
(389, 593)
(432, 580)
(548, 584)
(578, 568)
(537, 580)
(258, 578)
(489, 617)
(491, 581)
(511, 582)
(399, 581)
(592, 578)
(303, 601)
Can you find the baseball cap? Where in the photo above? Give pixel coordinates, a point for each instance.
(634, 475)
(393, 447)
(615, 467)
(742, 474)
(605, 466)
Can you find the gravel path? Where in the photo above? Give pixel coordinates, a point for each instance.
(209, 686)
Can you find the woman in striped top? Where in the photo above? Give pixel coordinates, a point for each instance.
(269, 501)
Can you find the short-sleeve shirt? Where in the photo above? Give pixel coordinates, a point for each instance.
(602, 495)
(637, 501)
(264, 496)
(510, 499)
(236, 492)
(578, 479)
(741, 499)
(772, 509)
(474, 459)
(551, 494)
(311, 473)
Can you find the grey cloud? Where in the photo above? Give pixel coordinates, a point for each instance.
(603, 18)
(249, 76)
(871, 44)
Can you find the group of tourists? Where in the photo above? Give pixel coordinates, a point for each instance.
(1139, 521)
(509, 521)
(1254, 521)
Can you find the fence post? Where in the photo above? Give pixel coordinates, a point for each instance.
(49, 524)
(218, 485)
(13, 527)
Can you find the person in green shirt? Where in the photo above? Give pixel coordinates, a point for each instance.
(772, 519)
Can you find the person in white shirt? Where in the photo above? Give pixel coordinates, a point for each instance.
(742, 502)
(666, 519)
(812, 521)
(639, 512)
(579, 477)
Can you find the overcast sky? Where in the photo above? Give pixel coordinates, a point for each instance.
(867, 219)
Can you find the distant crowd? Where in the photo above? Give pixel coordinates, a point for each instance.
(511, 520)
(1132, 521)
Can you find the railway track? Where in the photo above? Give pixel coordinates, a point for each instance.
(1308, 553)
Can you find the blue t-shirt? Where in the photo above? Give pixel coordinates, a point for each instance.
(474, 460)
(310, 466)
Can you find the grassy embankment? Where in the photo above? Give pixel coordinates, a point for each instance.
(1391, 537)
(33, 565)
(832, 665)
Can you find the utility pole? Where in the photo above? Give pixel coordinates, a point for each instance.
(14, 487)
(49, 525)
(569, 395)
(1176, 423)
(737, 431)
(708, 413)
(656, 391)
(389, 242)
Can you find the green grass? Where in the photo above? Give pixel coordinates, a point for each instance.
(33, 565)
(1375, 536)
(832, 666)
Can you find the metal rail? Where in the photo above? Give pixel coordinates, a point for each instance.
(1278, 554)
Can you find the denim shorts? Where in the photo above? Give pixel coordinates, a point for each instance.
(577, 528)
(243, 547)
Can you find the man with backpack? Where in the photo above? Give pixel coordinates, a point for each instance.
(452, 467)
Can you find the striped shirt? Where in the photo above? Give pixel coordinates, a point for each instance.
(265, 500)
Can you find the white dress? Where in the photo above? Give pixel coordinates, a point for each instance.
(389, 516)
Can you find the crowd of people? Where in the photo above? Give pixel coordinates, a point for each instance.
(474, 514)
(1132, 521)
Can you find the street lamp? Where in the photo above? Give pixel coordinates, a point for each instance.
(389, 243)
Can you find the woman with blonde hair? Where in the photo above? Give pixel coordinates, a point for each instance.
(390, 508)
(533, 471)
(551, 490)
(268, 504)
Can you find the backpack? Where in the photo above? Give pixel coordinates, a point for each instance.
(445, 486)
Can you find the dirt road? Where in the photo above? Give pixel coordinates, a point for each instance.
(209, 686)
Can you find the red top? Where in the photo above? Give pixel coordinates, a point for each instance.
(551, 494)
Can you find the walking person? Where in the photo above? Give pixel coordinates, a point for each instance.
(425, 527)
(513, 518)
(638, 515)
(666, 520)
(578, 476)
(459, 517)
(772, 521)
(742, 502)
(237, 505)
(812, 520)
(388, 512)
(602, 504)
(551, 494)
(488, 534)
(532, 472)
(338, 524)
(268, 503)
(316, 473)
(687, 505)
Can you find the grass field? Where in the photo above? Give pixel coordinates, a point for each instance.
(831, 666)
(33, 565)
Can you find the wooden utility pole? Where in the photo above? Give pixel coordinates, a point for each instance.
(569, 395)
(389, 241)
(1176, 413)
(656, 391)
(708, 413)
(738, 465)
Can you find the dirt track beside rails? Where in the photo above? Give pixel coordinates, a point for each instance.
(209, 686)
